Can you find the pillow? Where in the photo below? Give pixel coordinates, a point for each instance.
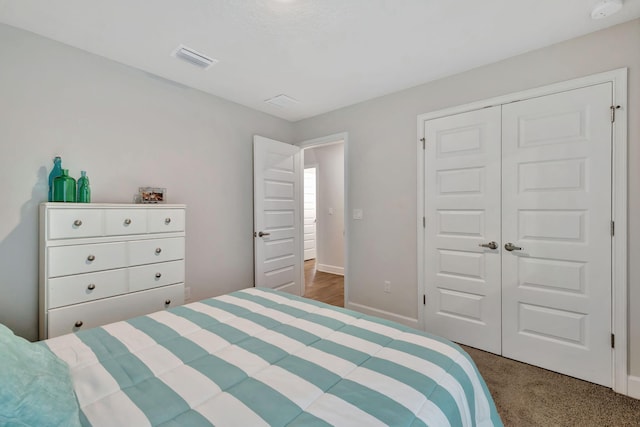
(35, 386)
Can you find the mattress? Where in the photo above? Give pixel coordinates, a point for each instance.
(260, 357)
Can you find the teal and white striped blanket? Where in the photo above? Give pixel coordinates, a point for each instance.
(260, 357)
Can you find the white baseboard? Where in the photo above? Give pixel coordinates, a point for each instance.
(408, 321)
(330, 269)
(633, 387)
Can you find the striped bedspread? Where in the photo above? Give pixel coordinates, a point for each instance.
(260, 357)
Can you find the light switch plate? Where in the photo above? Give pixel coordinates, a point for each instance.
(357, 214)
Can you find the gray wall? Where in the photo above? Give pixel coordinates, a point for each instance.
(382, 164)
(330, 183)
(127, 129)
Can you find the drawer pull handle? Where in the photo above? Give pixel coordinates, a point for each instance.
(77, 223)
(78, 323)
(167, 220)
(158, 250)
(91, 258)
(158, 275)
(91, 286)
(127, 221)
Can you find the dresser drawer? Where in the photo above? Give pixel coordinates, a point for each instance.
(66, 260)
(156, 250)
(166, 220)
(118, 222)
(155, 275)
(74, 223)
(95, 313)
(87, 287)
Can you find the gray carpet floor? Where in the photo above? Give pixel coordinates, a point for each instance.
(529, 396)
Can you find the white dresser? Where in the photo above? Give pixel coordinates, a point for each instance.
(100, 263)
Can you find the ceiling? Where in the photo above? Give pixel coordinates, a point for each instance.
(326, 54)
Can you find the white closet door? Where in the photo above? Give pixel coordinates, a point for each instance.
(557, 207)
(462, 193)
(310, 246)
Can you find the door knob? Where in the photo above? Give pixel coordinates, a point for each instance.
(262, 234)
(490, 245)
(511, 247)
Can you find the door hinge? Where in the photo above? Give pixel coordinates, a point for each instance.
(613, 228)
(424, 222)
(613, 112)
(424, 299)
(613, 341)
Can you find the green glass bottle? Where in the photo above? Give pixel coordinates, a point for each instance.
(55, 172)
(64, 188)
(84, 192)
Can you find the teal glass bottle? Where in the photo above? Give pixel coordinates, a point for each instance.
(84, 192)
(55, 172)
(64, 188)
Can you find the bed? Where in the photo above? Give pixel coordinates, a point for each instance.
(261, 357)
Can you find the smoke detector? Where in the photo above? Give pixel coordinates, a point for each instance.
(193, 57)
(605, 8)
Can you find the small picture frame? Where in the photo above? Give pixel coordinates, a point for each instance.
(152, 195)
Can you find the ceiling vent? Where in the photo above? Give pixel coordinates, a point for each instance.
(193, 57)
(282, 101)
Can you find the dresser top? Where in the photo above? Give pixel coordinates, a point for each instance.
(64, 205)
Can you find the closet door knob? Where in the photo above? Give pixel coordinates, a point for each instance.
(490, 245)
(127, 221)
(511, 247)
(158, 275)
(158, 250)
(77, 223)
(167, 302)
(91, 258)
(167, 220)
(91, 287)
(78, 323)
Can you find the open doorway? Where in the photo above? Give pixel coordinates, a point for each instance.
(324, 220)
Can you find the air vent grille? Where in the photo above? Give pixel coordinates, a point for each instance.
(193, 57)
(282, 101)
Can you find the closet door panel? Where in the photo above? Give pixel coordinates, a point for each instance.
(556, 206)
(462, 208)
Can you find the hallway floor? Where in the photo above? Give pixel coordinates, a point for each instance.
(321, 286)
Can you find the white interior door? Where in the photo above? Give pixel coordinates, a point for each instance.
(277, 194)
(556, 206)
(310, 215)
(462, 194)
